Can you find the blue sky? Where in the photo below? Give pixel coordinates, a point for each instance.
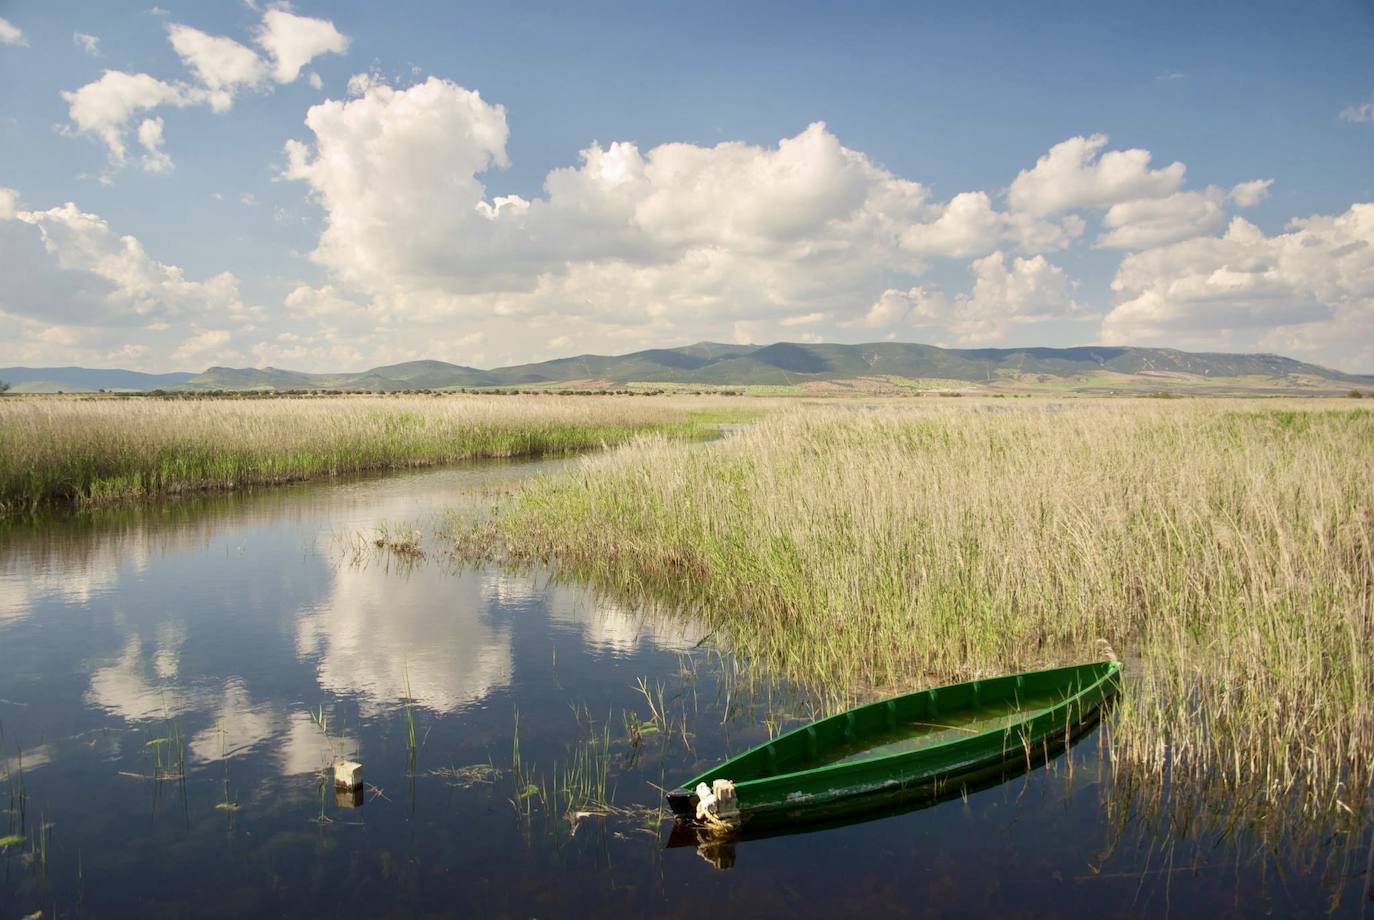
(636, 175)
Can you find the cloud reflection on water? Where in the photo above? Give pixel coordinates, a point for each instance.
(71, 581)
(378, 632)
(238, 725)
(15, 599)
(243, 573)
(132, 689)
(619, 628)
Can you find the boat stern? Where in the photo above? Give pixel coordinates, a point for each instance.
(683, 802)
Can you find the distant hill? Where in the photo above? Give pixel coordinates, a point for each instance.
(824, 368)
(413, 375)
(85, 379)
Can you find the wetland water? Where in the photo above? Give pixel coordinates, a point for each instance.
(176, 676)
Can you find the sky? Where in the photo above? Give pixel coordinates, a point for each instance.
(335, 186)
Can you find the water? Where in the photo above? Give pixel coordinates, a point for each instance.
(244, 627)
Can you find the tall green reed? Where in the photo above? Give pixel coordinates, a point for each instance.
(1224, 548)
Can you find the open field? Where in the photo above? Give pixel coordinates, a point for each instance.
(1224, 549)
(94, 451)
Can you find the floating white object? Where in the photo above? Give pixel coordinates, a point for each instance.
(706, 801)
(727, 805)
(717, 802)
(348, 774)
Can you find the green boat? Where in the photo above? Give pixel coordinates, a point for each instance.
(918, 742)
(718, 845)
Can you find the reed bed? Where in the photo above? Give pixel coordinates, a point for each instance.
(1225, 549)
(98, 451)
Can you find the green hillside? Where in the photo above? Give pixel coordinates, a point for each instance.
(873, 367)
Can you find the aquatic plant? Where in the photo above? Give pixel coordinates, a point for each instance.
(580, 787)
(523, 791)
(653, 698)
(413, 743)
(336, 747)
(169, 753)
(576, 787)
(1225, 548)
(403, 543)
(39, 843)
(18, 794)
(466, 777)
(228, 803)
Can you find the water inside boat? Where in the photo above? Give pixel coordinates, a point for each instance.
(952, 726)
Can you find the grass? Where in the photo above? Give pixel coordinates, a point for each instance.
(1226, 551)
(86, 452)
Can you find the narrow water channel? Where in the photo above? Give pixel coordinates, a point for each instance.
(174, 678)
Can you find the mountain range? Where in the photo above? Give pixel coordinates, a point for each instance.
(819, 368)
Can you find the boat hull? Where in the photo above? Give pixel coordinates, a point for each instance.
(719, 846)
(798, 774)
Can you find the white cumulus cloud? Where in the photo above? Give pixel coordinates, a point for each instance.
(678, 240)
(1076, 174)
(662, 238)
(294, 41)
(11, 34)
(75, 290)
(1312, 286)
(221, 64)
(104, 107)
(1147, 222)
(1356, 114)
(1249, 194)
(155, 160)
(422, 245)
(1005, 296)
(138, 284)
(968, 226)
(200, 343)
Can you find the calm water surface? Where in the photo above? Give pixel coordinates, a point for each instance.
(244, 630)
